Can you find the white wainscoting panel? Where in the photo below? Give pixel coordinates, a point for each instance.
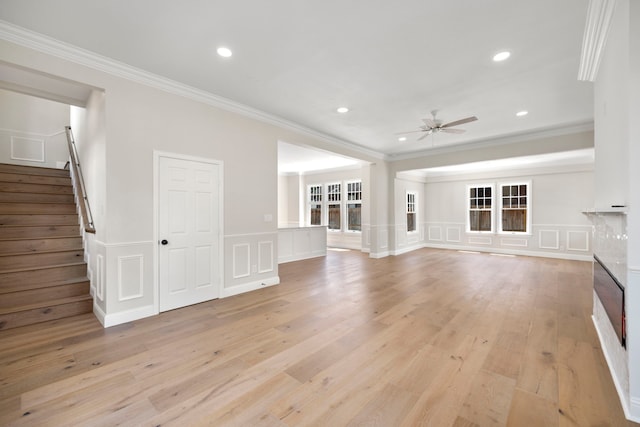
(519, 243)
(435, 233)
(401, 235)
(265, 256)
(28, 149)
(545, 240)
(383, 238)
(241, 260)
(480, 240)
(301, 243)
(578, 240)
(250, 262)
(99, 277)
(130, 277)
(367, 236)
(412, 238)
(453, 234)
(549, 239)
(129, 288)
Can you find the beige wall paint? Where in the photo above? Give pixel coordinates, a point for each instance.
(27, 113)
(27, 118)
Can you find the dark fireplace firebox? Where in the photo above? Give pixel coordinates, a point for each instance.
(611, 294)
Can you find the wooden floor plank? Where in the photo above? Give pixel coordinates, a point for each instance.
(431, 337)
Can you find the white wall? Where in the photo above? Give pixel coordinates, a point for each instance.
(617, 178)
(32, 130)
(291, 201)
(557, 200)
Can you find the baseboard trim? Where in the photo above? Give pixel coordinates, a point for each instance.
(629, 411)
(406, 250)
(634, 410)
(97, 311)
(114, 319)
(572, 257)
(248, 287)
(377, 255)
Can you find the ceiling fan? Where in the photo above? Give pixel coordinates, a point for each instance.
(433, 125)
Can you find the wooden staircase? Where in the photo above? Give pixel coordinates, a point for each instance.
(43, 275)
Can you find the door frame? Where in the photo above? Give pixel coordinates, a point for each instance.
(156, 221)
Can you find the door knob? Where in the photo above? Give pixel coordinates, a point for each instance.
(164, 241)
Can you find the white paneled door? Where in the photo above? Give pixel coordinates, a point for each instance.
(188, 231)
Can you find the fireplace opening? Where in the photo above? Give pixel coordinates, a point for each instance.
(611, 294)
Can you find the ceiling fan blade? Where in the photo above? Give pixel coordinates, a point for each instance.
(426, 134)
(452, 130)
(460, 122)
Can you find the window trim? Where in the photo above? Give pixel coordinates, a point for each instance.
(528, 231)
(329, 202)
(347, 202)
(492, 210)
(415, 211)
(321, 202)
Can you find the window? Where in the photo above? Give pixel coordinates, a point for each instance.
(411, 212)
(515, 208)
(354, 206)
(480, 208)
(333, 206)
(315, 205)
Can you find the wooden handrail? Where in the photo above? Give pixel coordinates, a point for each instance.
(79, 187)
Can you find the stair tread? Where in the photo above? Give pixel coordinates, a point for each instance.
(44, 267)
(50, 303)
(13, 239)
(25, 202)
(50, 251)
(43, 285)
(34, 170)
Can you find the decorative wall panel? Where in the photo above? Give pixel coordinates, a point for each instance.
(130, 277)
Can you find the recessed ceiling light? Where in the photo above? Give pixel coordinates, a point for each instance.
(402, 138)
(522, 113)
(501, 56)
(342, 110)
(225, 52)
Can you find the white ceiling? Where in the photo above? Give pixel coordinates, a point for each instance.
(390, 62)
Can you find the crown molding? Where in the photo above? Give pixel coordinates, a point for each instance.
(41, 43)
(497, 141)
(594, 39)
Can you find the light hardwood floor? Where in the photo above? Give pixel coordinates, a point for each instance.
(432, 337)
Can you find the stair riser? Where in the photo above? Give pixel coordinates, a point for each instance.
(35, 188)
(34, 179)
(39, 245)
(38, 219)
(34, 296)
(37, 209)
(33, 170)
(44, 231)
(10, 282)
(14, 262)
(36, 198)
(14, 320)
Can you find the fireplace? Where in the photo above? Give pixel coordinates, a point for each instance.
(611, 294)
